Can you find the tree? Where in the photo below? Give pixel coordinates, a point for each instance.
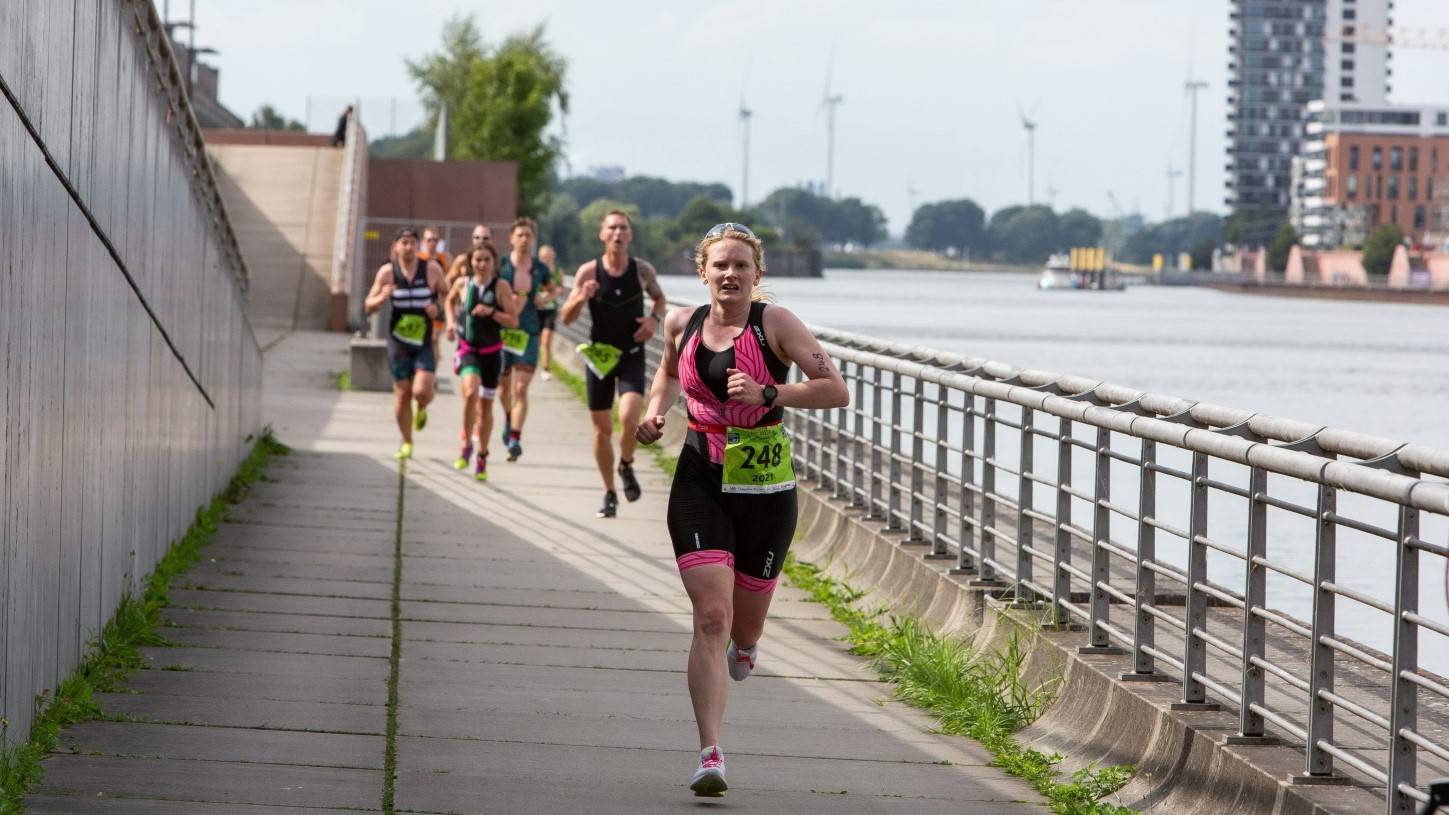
(1281, 247)
(958, 224)
(560, 226)
(1077, 227)
(269, 118)
(1252, 227)
(416, 143)
(655, 197)
(500, 102)
(1020, 234)
(1171, 238)
(1202, 256)
(847, 220)
(1378, 250)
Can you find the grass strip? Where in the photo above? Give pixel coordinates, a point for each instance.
(665, 460)
(116, 652)
(344, 380)
(389, 756)
(973, 692)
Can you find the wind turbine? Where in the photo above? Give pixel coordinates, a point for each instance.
(1030, 126)
(745, 116)
(1172, 176)
(829, 101)
(1192, 87)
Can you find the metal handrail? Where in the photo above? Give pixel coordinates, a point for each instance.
(942, 449)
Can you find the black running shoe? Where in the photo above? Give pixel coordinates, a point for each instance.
(611, 505)
(631, 484)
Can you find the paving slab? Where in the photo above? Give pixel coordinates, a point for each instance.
(369, 570)
(317, 644)
(270, 714)
(49, 805)
(313, 666)
(250, 745)
(281, 603)
(220, 782)
(277, 622)
(259, 686)
(311, 587)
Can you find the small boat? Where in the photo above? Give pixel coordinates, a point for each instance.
(1059, 274)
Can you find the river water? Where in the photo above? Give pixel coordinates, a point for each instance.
(1377, 368)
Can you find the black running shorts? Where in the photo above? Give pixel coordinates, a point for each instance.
(750, 532)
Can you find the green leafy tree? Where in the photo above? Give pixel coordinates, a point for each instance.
(1077, 227)
(1202, 256)
(416, 143)
(1172, 238)
(1281, 247)
(1252, 227)
(959, 224)
(1378, 250)
(1020, 234)
(500, 102)
(845, 220)
(655, 197)
(559, 226)
(269, 118)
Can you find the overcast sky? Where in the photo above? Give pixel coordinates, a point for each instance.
(932, 89)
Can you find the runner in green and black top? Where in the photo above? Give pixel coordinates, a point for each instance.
(616, 287)
(483, 304)
(528, 278)
(413, 286)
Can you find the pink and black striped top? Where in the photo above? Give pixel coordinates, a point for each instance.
(703, 373)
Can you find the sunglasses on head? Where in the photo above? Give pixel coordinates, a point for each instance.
(728, 226)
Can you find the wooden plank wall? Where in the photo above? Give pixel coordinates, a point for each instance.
(131, 378)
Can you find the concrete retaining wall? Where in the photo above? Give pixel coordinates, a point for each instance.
(131, 377)
(1184, 763)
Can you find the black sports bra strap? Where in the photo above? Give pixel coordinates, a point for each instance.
(696, 322)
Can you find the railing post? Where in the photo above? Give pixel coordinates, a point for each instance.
(857, 449)
(988, 494)
(940, 491)
(893, 486)
(1320, 671)
(1062, 554)
(1404, 697)
(1144, 632)
(872, 473)
(965, 533)
(1024, 496)
(1098, 640)
(1255, 597)
(1194, 656)
(918, 462)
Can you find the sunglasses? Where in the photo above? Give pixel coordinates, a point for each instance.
(728, 226)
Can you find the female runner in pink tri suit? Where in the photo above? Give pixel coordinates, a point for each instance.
(732, 506)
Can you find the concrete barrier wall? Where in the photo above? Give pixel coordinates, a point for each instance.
(131, 378)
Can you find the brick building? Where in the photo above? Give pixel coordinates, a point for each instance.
(1363, 166)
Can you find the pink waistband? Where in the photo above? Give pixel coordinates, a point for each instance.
(465, 348)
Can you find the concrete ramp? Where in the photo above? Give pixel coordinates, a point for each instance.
(284, 202)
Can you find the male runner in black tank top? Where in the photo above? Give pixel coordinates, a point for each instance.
(615, 287)
(414, 287)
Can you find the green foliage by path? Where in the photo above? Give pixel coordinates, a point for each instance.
(1378, 251)
(344, 380)
(975, 693)
(500, 101)
(116, 651)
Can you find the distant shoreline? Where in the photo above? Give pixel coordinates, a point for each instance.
(905, 260)
(1439, 297)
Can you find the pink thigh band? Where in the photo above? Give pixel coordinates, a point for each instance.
(705, 557)
(755, 584)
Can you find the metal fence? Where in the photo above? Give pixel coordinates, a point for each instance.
(1166, 530)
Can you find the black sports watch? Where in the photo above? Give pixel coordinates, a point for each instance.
(770, 394)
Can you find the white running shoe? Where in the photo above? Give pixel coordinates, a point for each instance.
(709, 779)
(741, 661)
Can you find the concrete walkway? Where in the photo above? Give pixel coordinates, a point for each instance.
(538, 652)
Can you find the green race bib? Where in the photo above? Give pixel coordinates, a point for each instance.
(757, 460)
(601, 357)
(411, 329)
(515, 341)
